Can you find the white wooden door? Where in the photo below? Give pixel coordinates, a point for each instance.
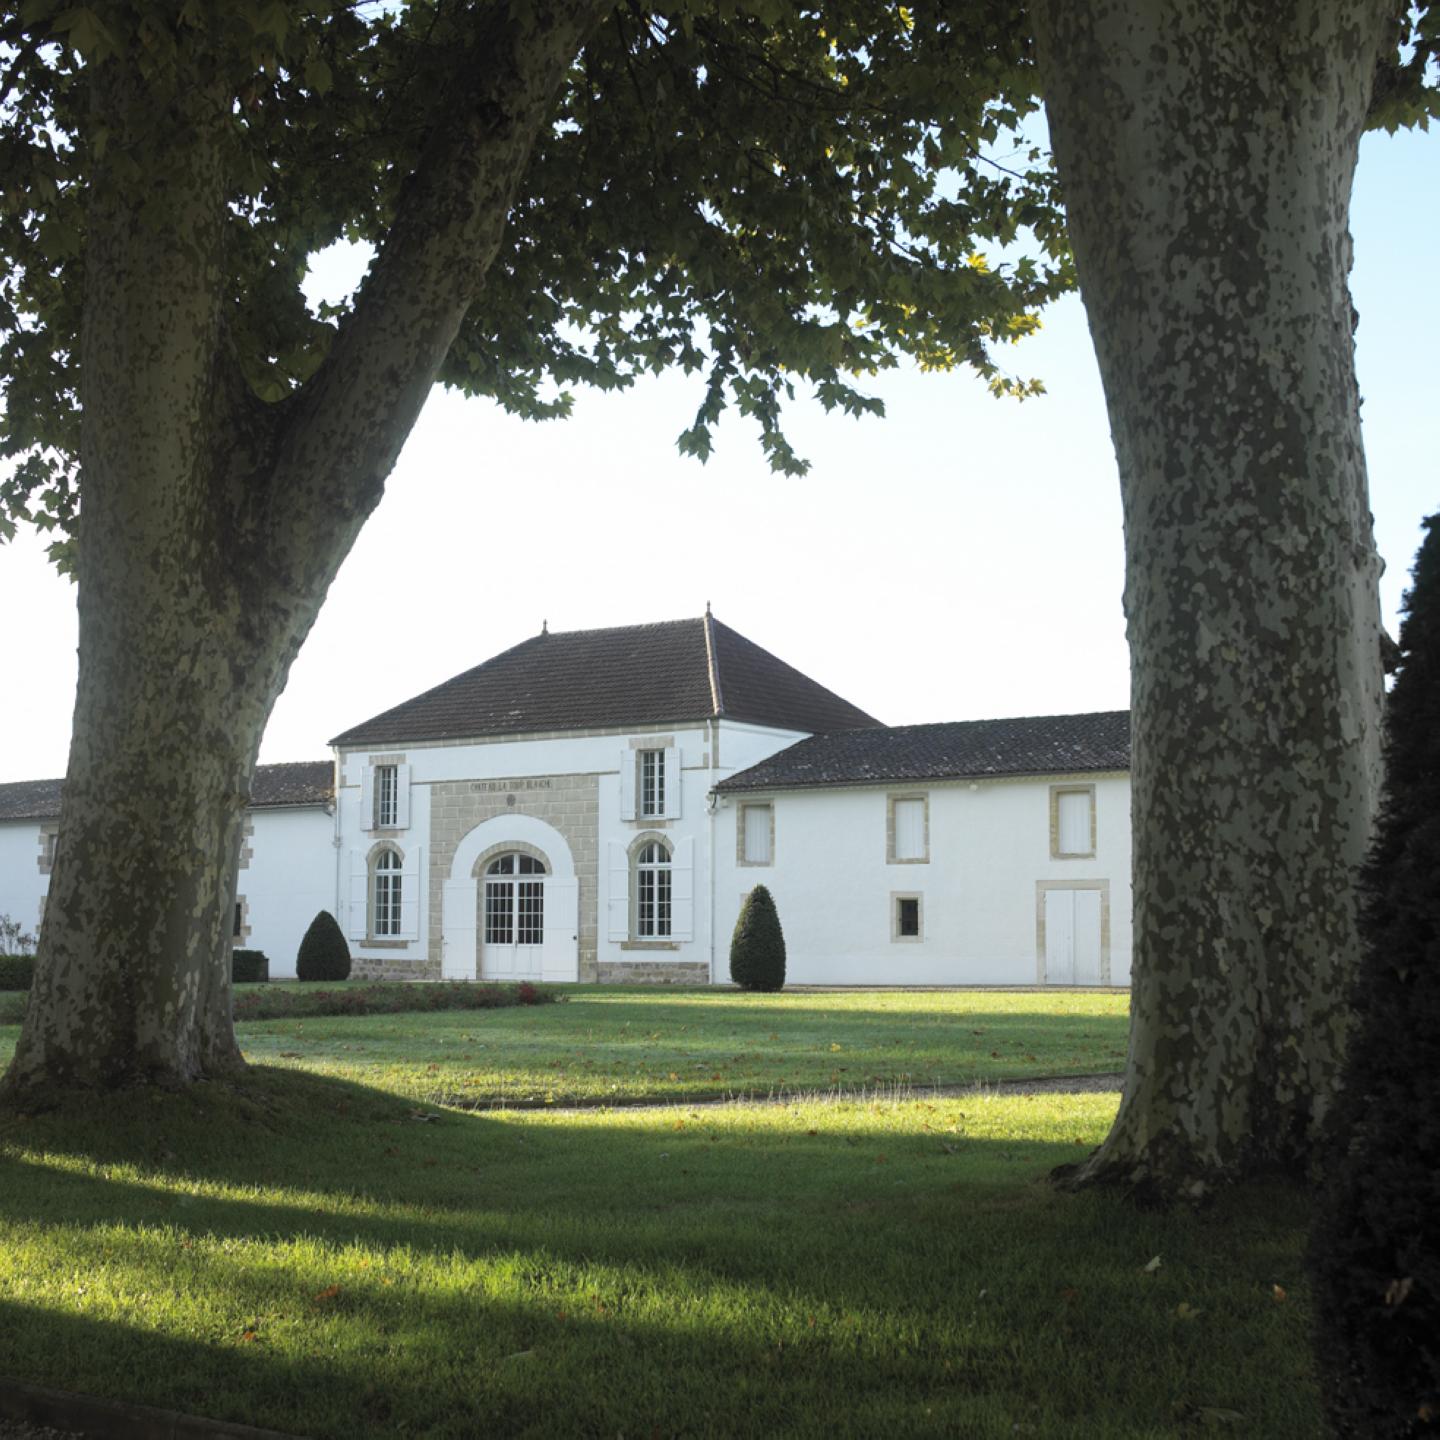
(561, 958)
(457, 954)
(1072, 937)
(513, 945)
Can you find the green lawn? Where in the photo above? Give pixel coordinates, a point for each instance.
(309, 1255)
(617, 1044)
(320, 1251)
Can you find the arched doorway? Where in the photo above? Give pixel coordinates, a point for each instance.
(541, 903)
(512, 945)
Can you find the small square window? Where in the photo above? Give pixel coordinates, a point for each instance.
(907, 917)
(237, 929)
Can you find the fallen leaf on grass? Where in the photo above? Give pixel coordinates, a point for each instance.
(1151, 1266)
(249, 1333)
(1214, 1415)
(1186, 1311)
(330, 1292)
(1397, 1290)
(1278, 1291)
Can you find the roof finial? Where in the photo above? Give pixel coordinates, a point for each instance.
(707, 607)
(544, 627)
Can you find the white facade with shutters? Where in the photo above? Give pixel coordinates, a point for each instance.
(612, 835)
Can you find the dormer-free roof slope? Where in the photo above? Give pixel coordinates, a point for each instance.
(671, 672)
(300, 782)
(955, 750)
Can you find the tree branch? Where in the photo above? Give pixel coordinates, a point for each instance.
(346, 427)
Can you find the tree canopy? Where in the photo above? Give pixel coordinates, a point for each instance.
(757, 192)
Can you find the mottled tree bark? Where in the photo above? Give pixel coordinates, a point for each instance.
(1206, 153)
(213, 525)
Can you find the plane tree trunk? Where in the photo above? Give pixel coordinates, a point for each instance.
(212, 526)
(1206, 154)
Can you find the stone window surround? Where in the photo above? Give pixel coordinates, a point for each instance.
(1041, 886)
(240, 933)
(49, 835)
(1056, 791)
(891, 796)
(383, 832)
(896, 896)
(247, 850)
(740, 859)
(372, 941)
(639, 744)
(632, 855)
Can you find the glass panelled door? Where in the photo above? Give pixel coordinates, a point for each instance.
(514, 918)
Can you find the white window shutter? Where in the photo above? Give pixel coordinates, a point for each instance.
(627, 784)
(682, 891)
(367, 797)
(757, 834)
(673, 767)
(402, 797)
(909, 829)
(358, 904)
(619, 902)
(410, 871)
(1074, 806)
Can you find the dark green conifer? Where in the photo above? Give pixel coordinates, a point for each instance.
(1375, 1252)
(324, 954)
(757, 949)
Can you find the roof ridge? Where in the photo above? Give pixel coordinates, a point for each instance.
(712, 664)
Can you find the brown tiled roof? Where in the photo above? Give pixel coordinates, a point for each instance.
(30, 800)
(960, 749)
(304, 782)
(299, 782)
(666, 673)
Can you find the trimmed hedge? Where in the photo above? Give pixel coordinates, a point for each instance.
(324, 953)
(757, 949)
(281, 1002)
(16, 972)
(249, 967)
(1375, 1249)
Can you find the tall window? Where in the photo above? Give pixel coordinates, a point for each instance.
(515, 901)
(1072, 821)
(652, 782)
(652, 892)
(385, 896)
(756, 827)
(909, 838)
(387, 796)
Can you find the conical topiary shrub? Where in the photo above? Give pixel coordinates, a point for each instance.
(324, 955)
(1375, 1251)
(757, 949)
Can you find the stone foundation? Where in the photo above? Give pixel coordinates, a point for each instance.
(363, 969)
(653, 972)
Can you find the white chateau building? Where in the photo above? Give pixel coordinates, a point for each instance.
(595, 805)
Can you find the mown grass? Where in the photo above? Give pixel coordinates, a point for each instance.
(617, 1044)
(312, 1254)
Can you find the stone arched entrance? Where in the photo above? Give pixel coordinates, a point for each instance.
(542, 905)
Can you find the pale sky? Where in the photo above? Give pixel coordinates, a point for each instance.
(960, 558)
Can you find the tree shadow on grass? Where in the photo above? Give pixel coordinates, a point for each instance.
(737, 1278)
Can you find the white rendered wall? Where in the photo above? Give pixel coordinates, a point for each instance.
(989, 845)
(565, 755)
(289, 879)
(22, 886)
